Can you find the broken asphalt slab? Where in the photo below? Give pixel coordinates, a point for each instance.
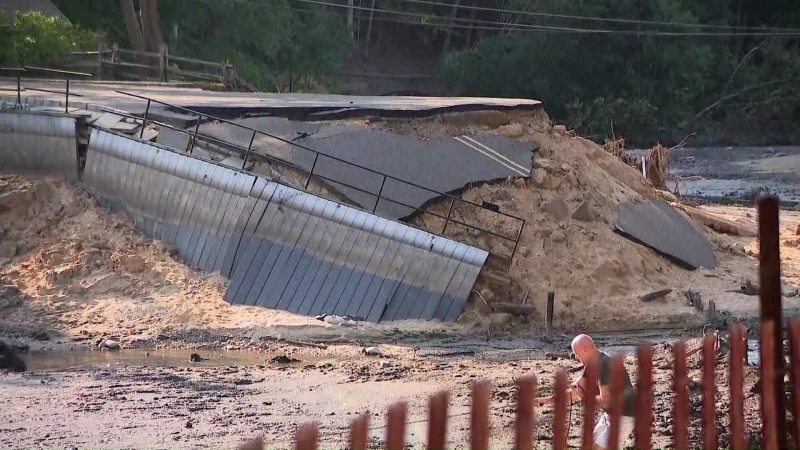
(444, 164)
(661, 227)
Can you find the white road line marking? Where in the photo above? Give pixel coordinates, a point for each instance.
(507, 166)
(475, 141)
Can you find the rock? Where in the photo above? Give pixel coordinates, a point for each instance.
(558, 236)
(283, 359)
(487, 294)
(584, 212)
(560, 130)
(566, 168)
(501, 320)
(8, 249)
(737, 248)
(333, 320)
(385, 364)
(519, 183)
(512, 130)
(371, 351)
(539, 178)
(110, 344)
(195, 357)
(132, 263)
(9, 359)
(572, 179)
(188, 424)
(556, 208)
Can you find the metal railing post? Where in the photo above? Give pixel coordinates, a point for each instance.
(449, 211)
(66, 100)
(194, 138)
(516, 244)
(380, 191)
(19, 91)
(144, 119)
(311, 172)
(249, 146)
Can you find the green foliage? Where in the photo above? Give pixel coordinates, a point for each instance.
(650, 86)
(32, 38)
(269, 41)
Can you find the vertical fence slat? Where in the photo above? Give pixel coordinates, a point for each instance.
(358, 432)
(437, 421)
(479, 423)
(736, 386)
(709, 420)
(771, 311)
(680, 410)
(617, 388)
(560, 411)
(590, 374)
(794, 346)
(768, 408)
(306, 437)
(644, 397)
(526, 391)
(396, 426)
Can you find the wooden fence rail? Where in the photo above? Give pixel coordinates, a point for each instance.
(161, 66)
(771, 375)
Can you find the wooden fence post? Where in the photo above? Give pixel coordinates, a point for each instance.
(548, 316)
(114, 51)
(162, 63)
(100, 62)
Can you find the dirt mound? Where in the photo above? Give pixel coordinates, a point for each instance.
(570, 203)
(79, 266)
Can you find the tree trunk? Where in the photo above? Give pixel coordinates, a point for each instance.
(132, 24)
(369, 31)
(150, 25)
(449, 32)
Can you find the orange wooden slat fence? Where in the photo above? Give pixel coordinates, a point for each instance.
(771, 376)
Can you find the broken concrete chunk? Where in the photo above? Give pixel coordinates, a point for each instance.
(371, 351)
(558, 236)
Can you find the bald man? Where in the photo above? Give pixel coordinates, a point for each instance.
(585, 350)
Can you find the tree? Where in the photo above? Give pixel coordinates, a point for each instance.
(146, 36)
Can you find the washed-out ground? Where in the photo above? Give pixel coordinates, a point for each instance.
(73, 275)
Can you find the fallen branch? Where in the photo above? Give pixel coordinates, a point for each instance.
(655, 295)
(514, 308)
(717, 223)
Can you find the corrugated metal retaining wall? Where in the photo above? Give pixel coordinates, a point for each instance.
(282, 248)
(188, 202)
(309, 255)
(38, 144)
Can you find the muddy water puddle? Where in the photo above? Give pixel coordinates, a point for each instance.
(97, 359)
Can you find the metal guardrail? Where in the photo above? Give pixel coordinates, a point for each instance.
(247, 153)
(18, 71)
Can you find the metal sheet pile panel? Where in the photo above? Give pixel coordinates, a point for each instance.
(304, 254)
(176, 198)
(38, 144)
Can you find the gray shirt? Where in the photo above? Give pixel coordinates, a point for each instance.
(604, 379)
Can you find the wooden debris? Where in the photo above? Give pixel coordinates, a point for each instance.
(693, 299)
(514, 308)
(717, 223)
(655, 295)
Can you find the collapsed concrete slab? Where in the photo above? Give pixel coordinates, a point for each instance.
(661, 227)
